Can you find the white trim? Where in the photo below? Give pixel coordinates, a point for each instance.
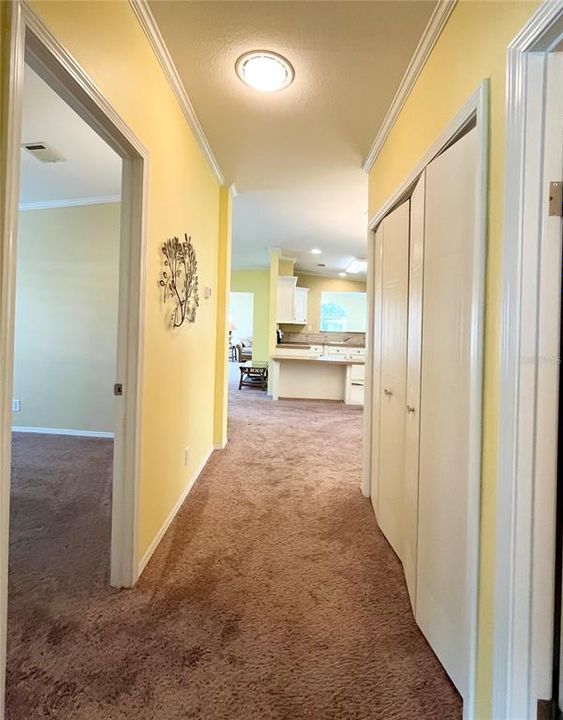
(14, 36)
(233, 190)
(221, 446)
(148, 23)
(474, 110)
(166, 524)
(70, 202)
(62, 431)
(369, 369)
(465, 115)
(512, 671)
(429, 38)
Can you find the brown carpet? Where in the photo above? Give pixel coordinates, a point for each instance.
(272, 597)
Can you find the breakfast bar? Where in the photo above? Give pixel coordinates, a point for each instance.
(322, 377)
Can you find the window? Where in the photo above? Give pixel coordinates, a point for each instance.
(343, 312)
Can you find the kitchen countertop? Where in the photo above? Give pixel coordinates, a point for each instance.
(334, 359)
(307, 347)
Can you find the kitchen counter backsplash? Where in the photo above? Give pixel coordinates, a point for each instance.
(302, 338)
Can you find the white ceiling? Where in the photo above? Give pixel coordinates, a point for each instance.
(295, 156)
(91, 169)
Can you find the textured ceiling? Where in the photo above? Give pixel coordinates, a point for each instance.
(296, 155)
(91, 168)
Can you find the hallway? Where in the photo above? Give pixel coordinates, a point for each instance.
(272, 596)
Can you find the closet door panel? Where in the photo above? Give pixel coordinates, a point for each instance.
(394, 308)
(376, 380)
(443, 594)
(414, 351)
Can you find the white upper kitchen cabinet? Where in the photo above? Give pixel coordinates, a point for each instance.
(301, 299)
(292, 301)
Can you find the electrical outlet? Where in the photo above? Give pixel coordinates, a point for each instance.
(187, 455)
(16, 405)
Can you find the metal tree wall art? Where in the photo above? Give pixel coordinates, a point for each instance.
(179, 279)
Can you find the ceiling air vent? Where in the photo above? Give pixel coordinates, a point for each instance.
(42, 152)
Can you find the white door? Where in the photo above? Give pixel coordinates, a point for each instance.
(444, 596)
(414, 350)
(394, 307)
(376, 379)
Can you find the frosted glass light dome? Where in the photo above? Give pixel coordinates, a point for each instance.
(265, 70)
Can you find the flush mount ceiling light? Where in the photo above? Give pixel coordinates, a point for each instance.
(358, 265)
(265, 70)
(316, 251)
(342, 274)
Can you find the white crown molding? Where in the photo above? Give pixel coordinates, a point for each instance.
(152, 31)
(233, 190)
(72, 202)
(431, 33)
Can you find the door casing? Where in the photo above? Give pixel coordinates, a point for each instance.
(27, 39)
(525, 521)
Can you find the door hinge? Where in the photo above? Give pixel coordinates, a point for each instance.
(118, 389)
(556, 199)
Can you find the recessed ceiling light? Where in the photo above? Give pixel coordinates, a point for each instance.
(265, 70)
(359, 265)
(342, 274)
(316, 251)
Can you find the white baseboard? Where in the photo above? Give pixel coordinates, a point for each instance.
(63, 431)
(166, 524)
(221, 446)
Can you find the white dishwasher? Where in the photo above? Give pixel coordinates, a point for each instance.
(355, 385)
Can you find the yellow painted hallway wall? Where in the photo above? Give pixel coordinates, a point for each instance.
(258, 283)
(66, 317)
(178, 393)
(472, 47)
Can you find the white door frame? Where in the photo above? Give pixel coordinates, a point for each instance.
(28, 39)
(474, 112)
(525, 211)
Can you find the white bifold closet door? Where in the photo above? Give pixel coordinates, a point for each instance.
(414, 352)
(443, 597)
(394, 313)
(376, 379)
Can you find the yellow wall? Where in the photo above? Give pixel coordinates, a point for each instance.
(286, 266)
(66, 317)
(472, 47)
(258, 283)
(179, 389)
(317, 285)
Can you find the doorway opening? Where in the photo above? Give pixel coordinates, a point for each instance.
(32, 45)
(65, 367)
(241, 326)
